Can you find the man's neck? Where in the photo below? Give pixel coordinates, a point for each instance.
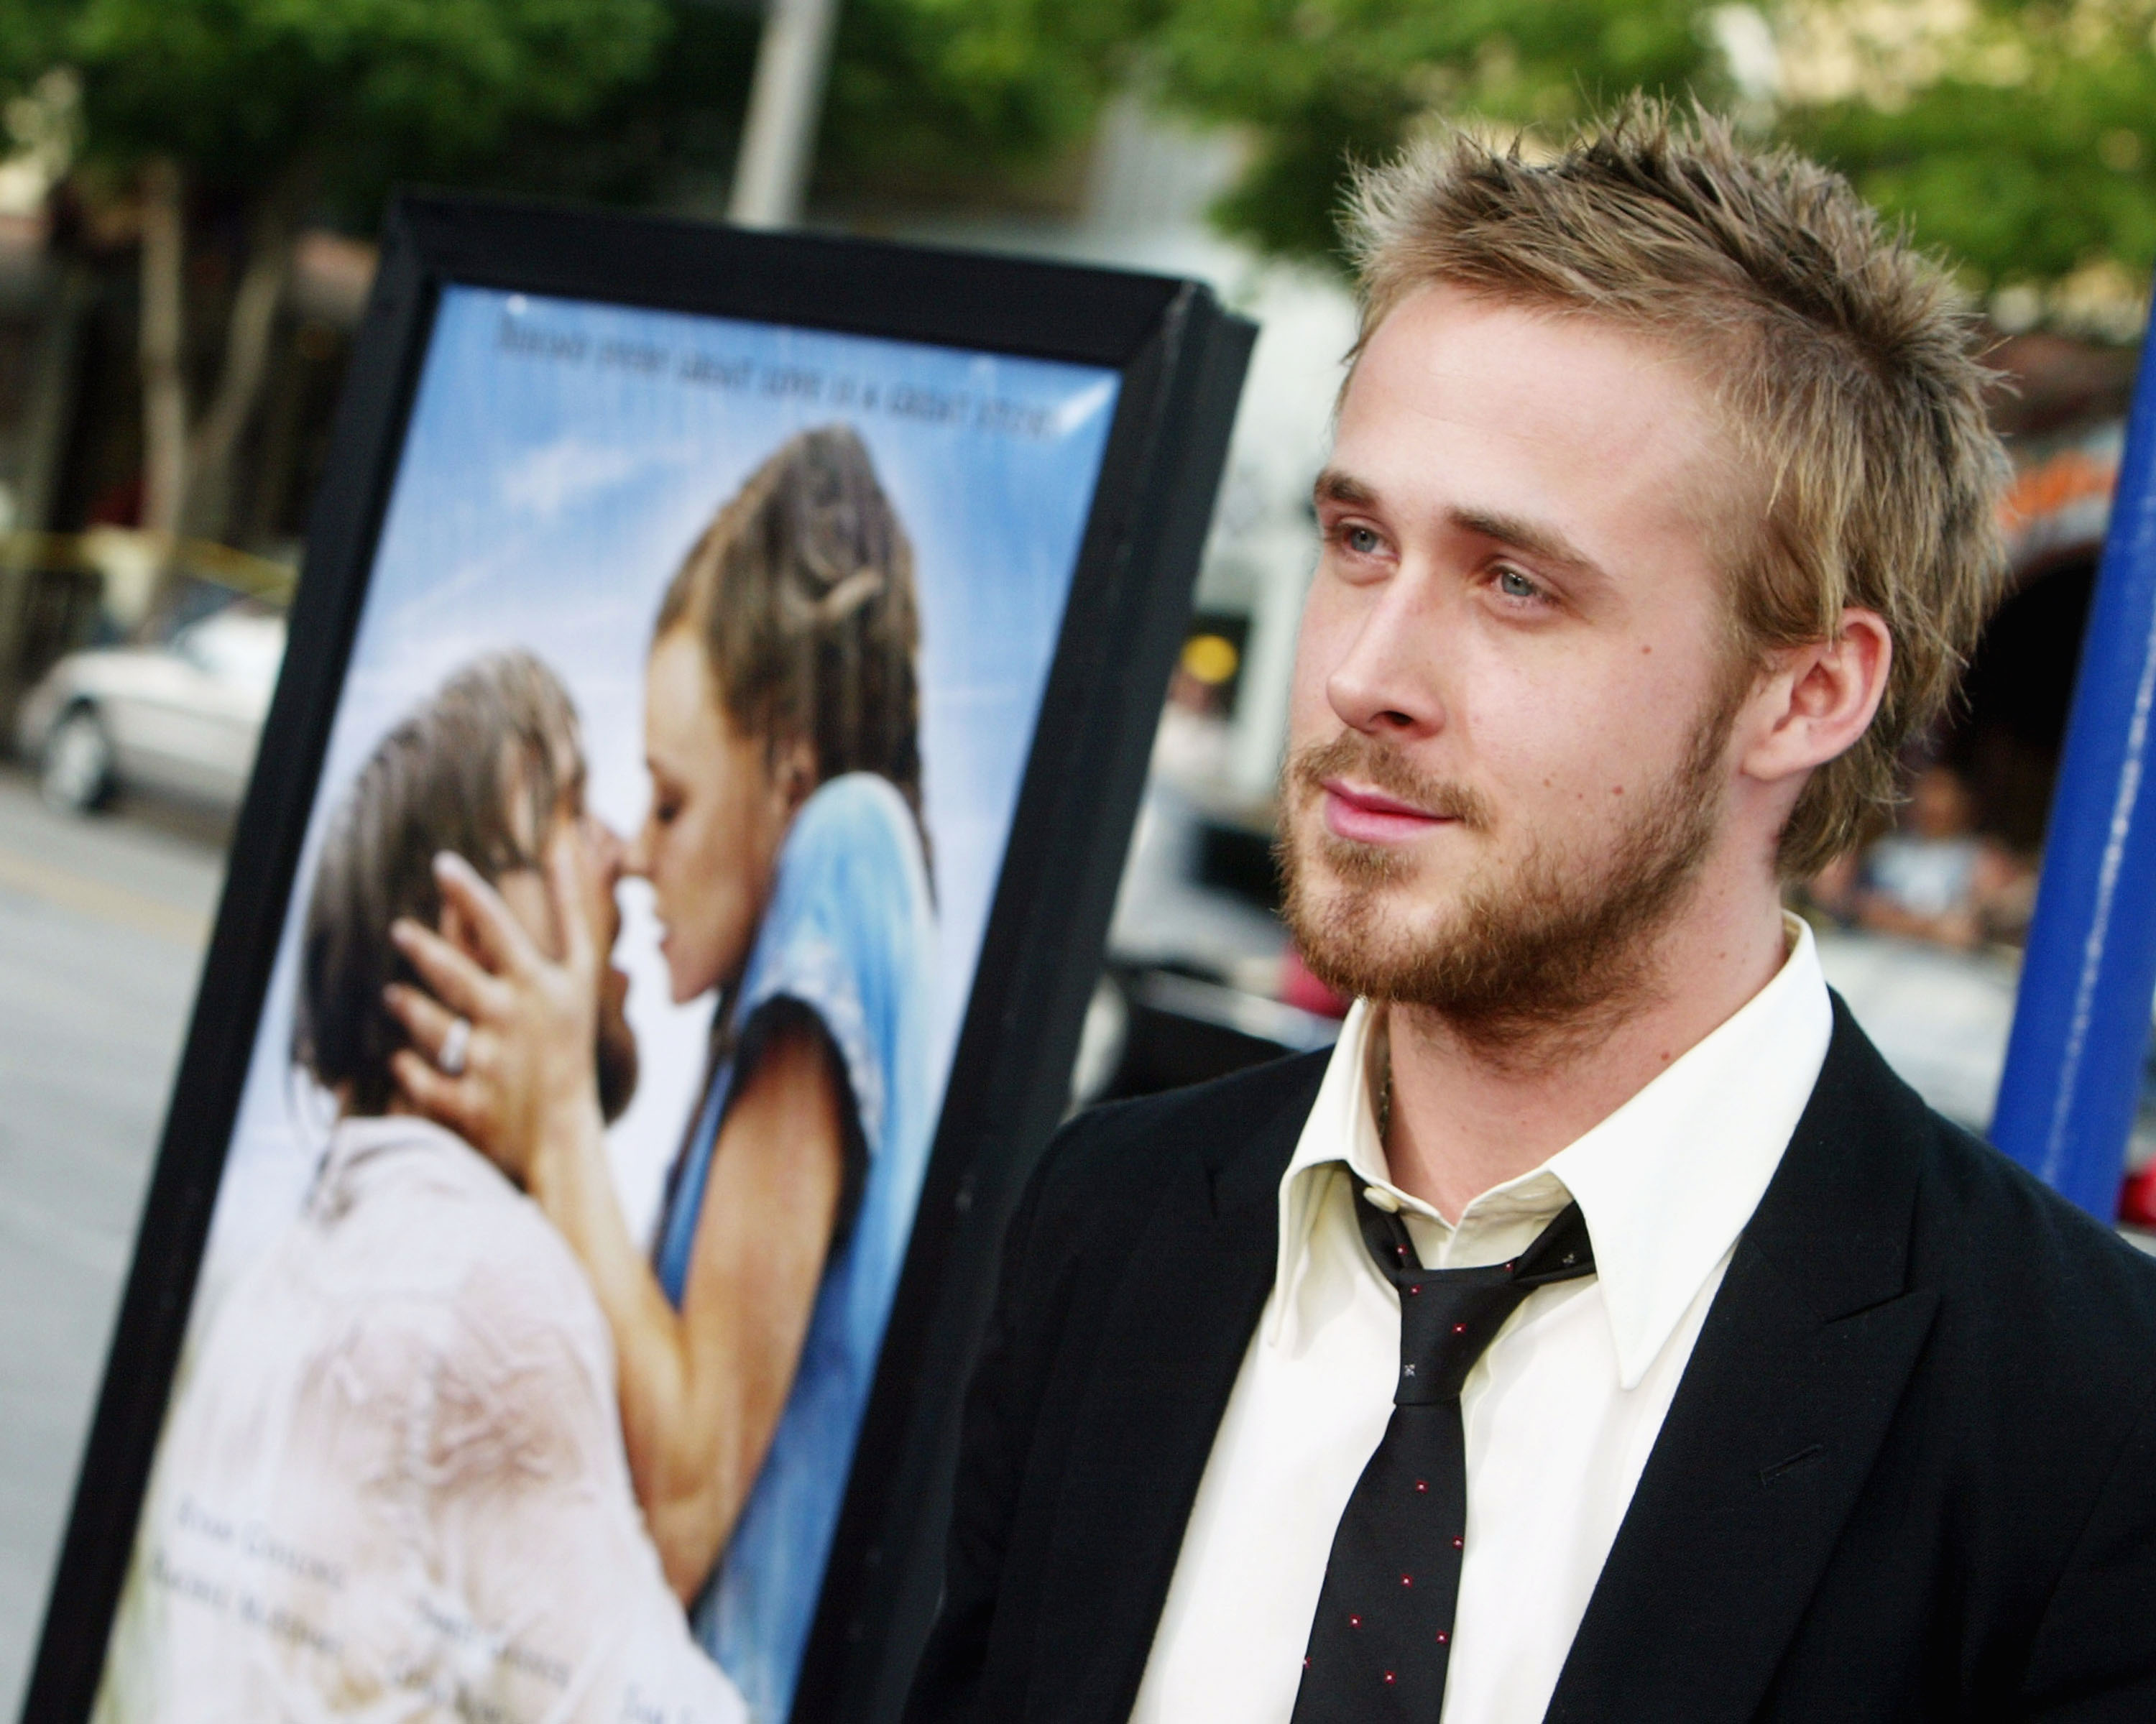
(1466, 1115)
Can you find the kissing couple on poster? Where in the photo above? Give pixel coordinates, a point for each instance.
(788, 862)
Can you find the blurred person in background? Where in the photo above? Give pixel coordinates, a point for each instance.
(789, 869)
(394, 1483)
(1936, 877)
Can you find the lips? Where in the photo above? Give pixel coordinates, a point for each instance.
(1365, 816)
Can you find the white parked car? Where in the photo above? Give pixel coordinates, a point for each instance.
(182, 718)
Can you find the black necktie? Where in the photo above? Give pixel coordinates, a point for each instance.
(1379, 1643)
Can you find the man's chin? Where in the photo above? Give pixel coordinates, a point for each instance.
(1356, 934)
(1365, 960)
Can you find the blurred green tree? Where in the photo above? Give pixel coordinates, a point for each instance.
(2018, 134)
(930, 97)
(213, 127)
(2021, 137)
(1318, 84)
(223, 121)
(929, 101)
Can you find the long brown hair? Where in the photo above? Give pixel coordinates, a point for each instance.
(802, 592)
(454, 775)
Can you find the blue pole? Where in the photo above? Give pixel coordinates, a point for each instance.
(2081, 1022)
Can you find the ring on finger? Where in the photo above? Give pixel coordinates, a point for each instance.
(456, 1047)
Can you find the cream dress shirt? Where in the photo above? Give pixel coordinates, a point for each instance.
(1561, 1411)
(392, 1489)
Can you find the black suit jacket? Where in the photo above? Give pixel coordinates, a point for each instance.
(1909, 1473)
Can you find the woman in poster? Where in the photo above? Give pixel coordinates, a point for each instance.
(789, 869)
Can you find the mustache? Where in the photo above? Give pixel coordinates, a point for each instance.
(1353, 755)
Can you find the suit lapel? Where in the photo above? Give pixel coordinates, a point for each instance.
(1790, 1392)
(1167, 1360)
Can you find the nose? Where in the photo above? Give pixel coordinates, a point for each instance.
(635, 855)
(1385, 681)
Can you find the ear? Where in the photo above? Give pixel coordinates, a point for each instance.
(794, 773)
(1817, 699)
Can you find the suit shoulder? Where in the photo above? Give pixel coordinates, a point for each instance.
(1117, 1154)
(2004, 1243)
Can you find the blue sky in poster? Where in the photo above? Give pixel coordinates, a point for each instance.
(561, 458)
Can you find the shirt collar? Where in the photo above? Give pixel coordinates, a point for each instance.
(1666, 1183)
(361, 1144)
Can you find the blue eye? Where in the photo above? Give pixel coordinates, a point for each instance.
(1362, 540)
(1514, 585)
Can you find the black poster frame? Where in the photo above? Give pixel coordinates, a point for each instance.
(1181, 358)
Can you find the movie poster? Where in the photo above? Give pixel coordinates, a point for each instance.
(588, 1111)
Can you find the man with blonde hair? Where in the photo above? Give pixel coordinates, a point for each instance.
(1600, 1331)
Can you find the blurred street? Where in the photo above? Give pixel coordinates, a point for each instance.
(102, 928)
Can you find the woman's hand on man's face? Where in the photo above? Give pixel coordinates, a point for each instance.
(528, 1082)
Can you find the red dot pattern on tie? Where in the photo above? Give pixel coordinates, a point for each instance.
(1378, 1618)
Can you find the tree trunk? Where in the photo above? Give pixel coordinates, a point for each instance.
(163, 357)
(47, 415)
(247, 334)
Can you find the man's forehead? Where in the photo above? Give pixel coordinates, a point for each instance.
(1524, 412)
(1531, 369)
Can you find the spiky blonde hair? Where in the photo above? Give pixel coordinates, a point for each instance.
(1835, 350)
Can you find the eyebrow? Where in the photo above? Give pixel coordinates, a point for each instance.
(1334, 486)
(1520, 534)
(1544, 542)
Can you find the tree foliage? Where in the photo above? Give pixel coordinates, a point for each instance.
(214, 126)
(621, 100)
(2018, 134)
(2020, 137)
(257, 109)
(240, 90)
(1321, 82)
(929, 93)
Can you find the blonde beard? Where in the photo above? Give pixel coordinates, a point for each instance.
(1551, 951)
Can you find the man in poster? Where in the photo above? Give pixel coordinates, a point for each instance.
(1601, 1331)
(394, 1482)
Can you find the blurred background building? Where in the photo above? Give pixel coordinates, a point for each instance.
(189, 193)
